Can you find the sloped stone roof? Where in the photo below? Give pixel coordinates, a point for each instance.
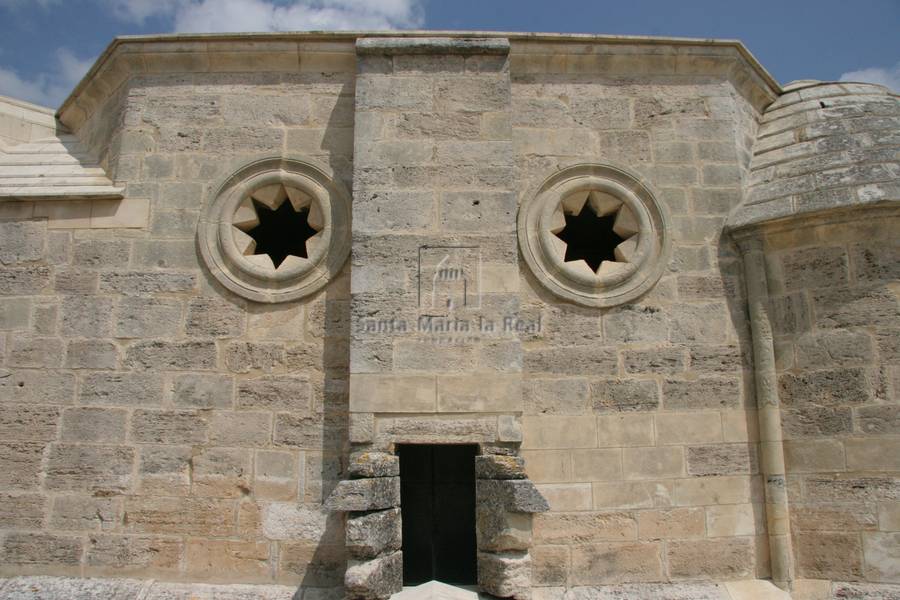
(56, 167)
(823, 146)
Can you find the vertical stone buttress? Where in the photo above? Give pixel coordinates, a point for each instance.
(435, 349)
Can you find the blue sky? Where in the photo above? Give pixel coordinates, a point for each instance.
(47, 45)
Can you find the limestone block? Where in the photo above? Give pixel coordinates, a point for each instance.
(34, 351)
(164, 470)
(85, 513)
(830, 517)
(553, 432)
(20, 465)
(29, 423)
(499, 467)
(22, 511)
(202, 391)
(148, 318)
(873, 454)
(577, 528)
(882, 556)
(24, 281)
(486, 393)
(855, 307)
(569, 396)
(365, 494)
(122, 389)
(172, 356)
(241, 560)
(22, 241)
(875, 262)
(597, 465)
(675, 523)
(281, 392)
(14, 314)
(23, 588)
(93, 425)
(91, 354)
(574, 360)
(550, 565)
(702, 393)
(505, 575)
(375, 579)
(826, 387)
(362, 428)
(299, 431)
(221, 472)
(206, 517)
(721, 459)
(689, 428)
(878, 419)
(625, 395)
(641, 324)
(509, 428)
(211, 317)
(86, 316)
(276, 476)
(373, 464)
(828, 555)
(720, 559)
(567, 496)
(369, 535)
(41, 549)
(616, 562)
(101, 254)
(89, 468)
(813, 421)
(804, 456)
(139, 283)
(653, 463)
(116, 552)
(501, 531)
(519, 495)
(169, 426)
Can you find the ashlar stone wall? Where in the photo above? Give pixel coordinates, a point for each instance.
(153, 424)
(639, 420)
(832, 282)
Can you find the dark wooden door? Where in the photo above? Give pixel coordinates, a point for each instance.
(437, 489)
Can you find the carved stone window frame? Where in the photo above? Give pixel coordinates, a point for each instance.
(641, 258)
(223, 244)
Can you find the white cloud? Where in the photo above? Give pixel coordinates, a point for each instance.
(888, 77)
(194, 16)
(46, 89)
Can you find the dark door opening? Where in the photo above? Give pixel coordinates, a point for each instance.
(437, 497)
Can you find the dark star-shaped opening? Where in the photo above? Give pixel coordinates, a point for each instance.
(590, 238)
(281, 232)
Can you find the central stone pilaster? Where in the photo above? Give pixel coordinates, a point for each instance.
(435, 350)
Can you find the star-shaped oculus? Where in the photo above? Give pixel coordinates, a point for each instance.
(596, 228)
(277, 225)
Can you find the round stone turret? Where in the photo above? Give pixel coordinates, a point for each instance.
(822, 146)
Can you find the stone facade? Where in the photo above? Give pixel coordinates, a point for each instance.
(732, 416)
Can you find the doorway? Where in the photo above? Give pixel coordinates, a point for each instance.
(437, 497)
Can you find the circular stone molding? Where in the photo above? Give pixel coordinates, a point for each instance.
(594, 234)
(276, 230)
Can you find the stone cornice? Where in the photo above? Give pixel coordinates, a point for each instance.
(313, 51)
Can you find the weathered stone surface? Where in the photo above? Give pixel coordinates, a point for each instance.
(499, 467)
(520, 496)
(505, 575)
(46, 588)
(501, 531)
(584, 527)
(375, 579)
(373, 464)
(89, 468)
(371, 534)
(365, 494)
(625, 395)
